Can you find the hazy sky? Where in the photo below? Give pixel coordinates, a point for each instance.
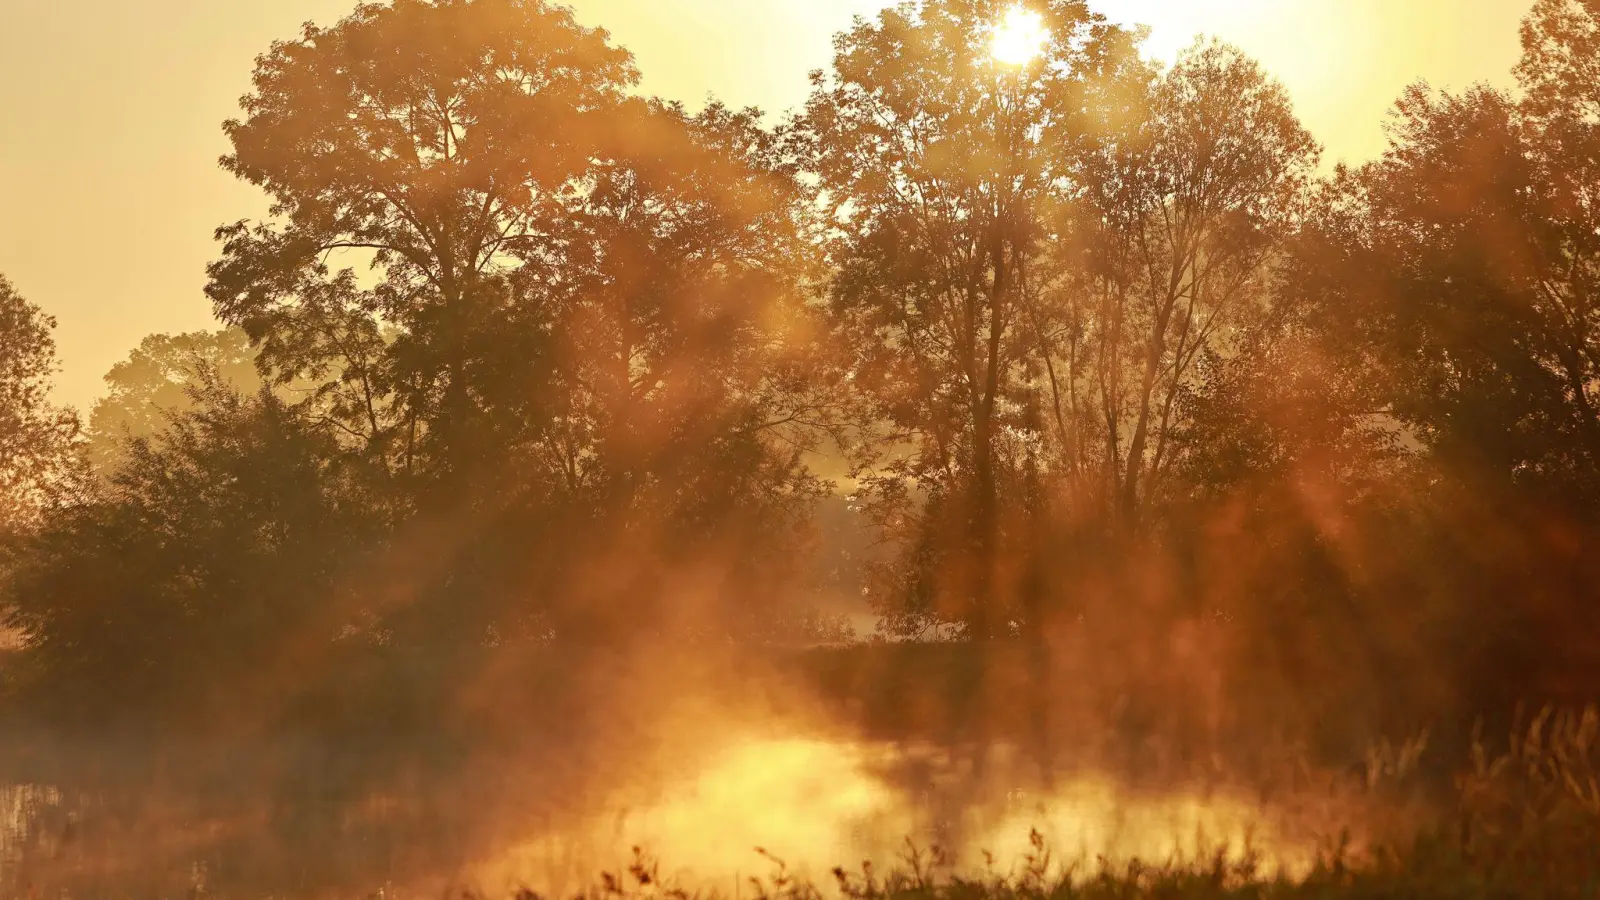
(110, 114)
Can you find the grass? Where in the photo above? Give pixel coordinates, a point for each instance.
(1429, 870)
(1433, 867)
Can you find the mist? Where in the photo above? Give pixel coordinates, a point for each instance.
(1022, 468)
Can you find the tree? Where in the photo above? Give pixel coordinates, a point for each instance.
(159, 379)
(1033, 264)
(933, 155)
(1176, 216)
(586, 319)
(685, 324)
(1452, 281)
(1558, 110)
(683, 390)
(211, 559)
(1559, 67)
(36, 437)
(436, 137)
(1468, 287)
(1469, 266)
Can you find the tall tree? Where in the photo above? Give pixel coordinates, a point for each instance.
(684, 389)
(1560, 110)
(1176, 212)
(1560, 66)
(931, 149)
(1465, 262)
(684, 318)
(434, 138)
(587, 313)
(1453, 280)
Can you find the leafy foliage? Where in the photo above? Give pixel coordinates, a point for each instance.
(525, 371)
(36, 437)
(216, 548)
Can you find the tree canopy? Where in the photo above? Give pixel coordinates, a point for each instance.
(521, 362)
(35, 435)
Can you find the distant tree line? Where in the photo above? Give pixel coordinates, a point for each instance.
(522, 359)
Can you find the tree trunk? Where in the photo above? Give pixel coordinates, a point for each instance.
(986, 621)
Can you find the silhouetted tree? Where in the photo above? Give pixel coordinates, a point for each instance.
(933, 155)
(1559, 109)
(684, 387)
(435, 140)
(36, 437)
(202, 580)
(1176, 213)
(1446, 291)
(1032, 264)
(1463, 281)
(586, 325)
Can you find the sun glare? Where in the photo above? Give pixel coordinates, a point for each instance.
(1019, 37)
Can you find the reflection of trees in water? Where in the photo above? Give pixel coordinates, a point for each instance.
(130, 840)
(34, 824)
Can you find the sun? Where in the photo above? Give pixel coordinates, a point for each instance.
(1019, 37)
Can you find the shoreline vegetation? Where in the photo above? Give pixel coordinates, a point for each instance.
(1520, 821)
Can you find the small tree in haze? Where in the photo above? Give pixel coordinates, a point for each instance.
(159, 378)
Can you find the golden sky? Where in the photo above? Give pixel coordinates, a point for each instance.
(110, 113)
